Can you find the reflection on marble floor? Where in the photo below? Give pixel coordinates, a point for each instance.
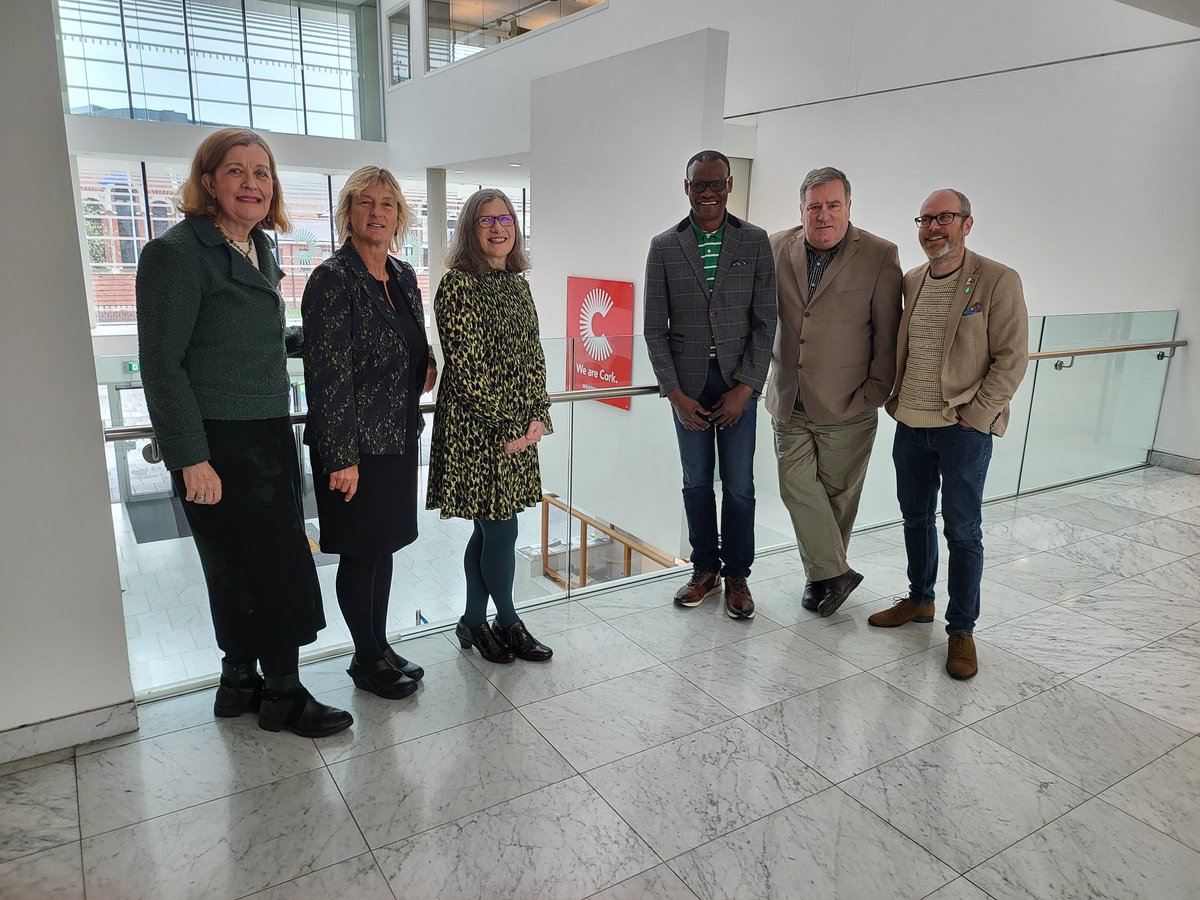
(674, 754)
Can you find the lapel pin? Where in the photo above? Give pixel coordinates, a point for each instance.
(969, 285)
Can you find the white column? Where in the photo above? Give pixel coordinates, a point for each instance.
(63, 658)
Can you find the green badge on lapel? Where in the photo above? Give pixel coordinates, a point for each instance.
(969, 285)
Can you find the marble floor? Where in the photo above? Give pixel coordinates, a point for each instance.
(669, 753)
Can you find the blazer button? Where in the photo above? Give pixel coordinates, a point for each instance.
(712, 313)
(802, 340)
(807, 314)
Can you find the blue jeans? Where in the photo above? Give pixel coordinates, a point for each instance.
(956, 459)
(701, 452)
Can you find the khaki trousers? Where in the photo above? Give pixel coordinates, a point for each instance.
(821, 473)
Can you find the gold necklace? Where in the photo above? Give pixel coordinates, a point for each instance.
(236, 245)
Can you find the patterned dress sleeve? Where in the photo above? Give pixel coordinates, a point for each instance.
(539, 398)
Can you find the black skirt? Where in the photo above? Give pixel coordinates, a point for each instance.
(382, 517)
(262, 584)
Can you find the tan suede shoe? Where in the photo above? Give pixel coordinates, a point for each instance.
(902, 611)
(961, 661)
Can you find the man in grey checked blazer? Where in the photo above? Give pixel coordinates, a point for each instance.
(709, 328)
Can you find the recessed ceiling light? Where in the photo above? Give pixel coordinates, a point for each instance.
(458, 171)
(514, 165)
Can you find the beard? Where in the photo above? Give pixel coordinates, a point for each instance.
(948, 248)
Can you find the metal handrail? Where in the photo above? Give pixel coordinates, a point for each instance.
(136, 432)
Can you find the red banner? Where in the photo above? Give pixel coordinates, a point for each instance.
(600, 324)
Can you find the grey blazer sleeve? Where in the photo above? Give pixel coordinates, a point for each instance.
(756, 358)
(656, 320)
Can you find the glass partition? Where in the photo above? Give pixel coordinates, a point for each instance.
(612, 508)
(1097, 414)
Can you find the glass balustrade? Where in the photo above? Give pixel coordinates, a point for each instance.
(611, 477)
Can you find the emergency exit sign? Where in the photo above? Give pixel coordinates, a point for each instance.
(132, 366)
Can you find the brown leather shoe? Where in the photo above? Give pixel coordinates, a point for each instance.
(836, 591)
(809, 599)
(699, 586)
(738, 602)
(961, 661)
(901, 611)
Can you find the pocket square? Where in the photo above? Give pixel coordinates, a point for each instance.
(972, 309)
(738, 262)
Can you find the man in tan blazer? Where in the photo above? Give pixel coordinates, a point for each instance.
(832, 368)
(962, 352)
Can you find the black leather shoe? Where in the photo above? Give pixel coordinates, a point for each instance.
(482, 639)
(287, 705)
(240, 690)
(809, 599)
(518, 639)
(837, 590)
(409, 668)
(381, 678)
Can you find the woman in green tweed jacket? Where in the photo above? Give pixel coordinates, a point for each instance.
(492, 409)
(213, 347)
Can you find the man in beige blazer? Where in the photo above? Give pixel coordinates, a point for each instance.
(832, 368)
(962, 352)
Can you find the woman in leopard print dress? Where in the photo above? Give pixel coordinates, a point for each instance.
(492, 409)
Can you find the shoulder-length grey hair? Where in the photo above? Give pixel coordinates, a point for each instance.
(359, 181)
(465, 252)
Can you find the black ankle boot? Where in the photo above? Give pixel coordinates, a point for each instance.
(517, 639)
(240, 690)
(287, 704)
(381, 678)
(482, 639)
(409, 668)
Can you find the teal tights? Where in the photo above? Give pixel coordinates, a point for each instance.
(490, 563)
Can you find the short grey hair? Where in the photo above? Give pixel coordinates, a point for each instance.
(964, 205)
(823, 175)
(465, 253)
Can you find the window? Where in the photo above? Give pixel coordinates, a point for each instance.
(294, 66)
(398, 36)
(456, 29)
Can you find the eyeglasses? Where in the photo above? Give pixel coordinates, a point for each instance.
(942, 218)
(699, 187)
(489, 221)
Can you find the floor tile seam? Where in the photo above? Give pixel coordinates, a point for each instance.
(329, 763)
(1043, 827)
(42, 849)
(951, 733)
(484, 809)
(731, 717)
(1126, 629)
(198, 804)
(1152, 827)
(1138, 574)
(704, 841)
(660, 860)
(1147, 712)
(1065, 675)
(639, 874)
(802, 693)
(776, 627)
(950, 716)
(322, 764)
(886, 823)
(353, 818)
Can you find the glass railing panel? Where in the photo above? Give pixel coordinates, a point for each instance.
(1098, 414)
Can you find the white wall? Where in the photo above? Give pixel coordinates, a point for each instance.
(610, 174)
(62, 637)
(1082, 176)
(781, 53)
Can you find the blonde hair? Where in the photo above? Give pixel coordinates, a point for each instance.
(359, 181)
(196, 200)
(465, 252)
